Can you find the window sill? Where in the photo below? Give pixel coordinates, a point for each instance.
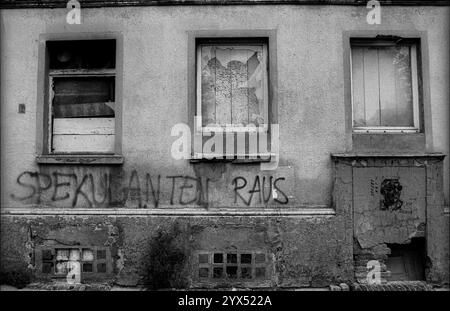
(80, 159)
(386, 131)
(199, 158)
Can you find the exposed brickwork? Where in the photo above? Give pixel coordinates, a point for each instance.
(420, 215)
(363, 256)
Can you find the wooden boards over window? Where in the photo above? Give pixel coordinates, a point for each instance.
(82, 96)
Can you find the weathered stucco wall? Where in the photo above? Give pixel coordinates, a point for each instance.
(300, 248)
(310, 81)
(306, 250)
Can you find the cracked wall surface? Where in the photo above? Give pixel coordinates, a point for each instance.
(303, 253)
(417, 210)
(314, 250)
(374, 224)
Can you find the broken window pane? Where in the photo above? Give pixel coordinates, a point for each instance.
(218, 258)
(88, 267)
(62, 254)
(217, 272)
(232, 84)
(74, 255)
(47, 254)
(47, 267)
(62, 267)
(231, 258)
(232, 272)
(88, 255)
(82, 54)
(246, 272)
(246, 258)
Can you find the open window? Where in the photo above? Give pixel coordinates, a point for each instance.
(81, 96)
(385, 85)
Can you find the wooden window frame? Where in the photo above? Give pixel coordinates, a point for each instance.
(71, 73)
(232, 128)
(415, 76)
(195, 37)
(44, 155)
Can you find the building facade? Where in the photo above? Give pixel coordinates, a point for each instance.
(206, 144)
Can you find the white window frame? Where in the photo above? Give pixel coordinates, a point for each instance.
(232, 128)
(415, 92)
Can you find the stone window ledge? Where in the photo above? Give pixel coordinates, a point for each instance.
(387, 159)
(387, 155)
(80, 159)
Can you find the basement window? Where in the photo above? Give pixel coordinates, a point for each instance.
(239, 266)
(57, 262)
(385, 85)
(407, 261)
(81, 96)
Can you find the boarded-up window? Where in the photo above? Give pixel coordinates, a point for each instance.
(385, 85)
(232, 84)
(82, 96)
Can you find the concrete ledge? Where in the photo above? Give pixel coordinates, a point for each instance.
(80, 159)
(38, 211)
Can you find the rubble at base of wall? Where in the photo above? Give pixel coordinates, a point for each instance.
(394, 286)
(390, 286)
(61, 286)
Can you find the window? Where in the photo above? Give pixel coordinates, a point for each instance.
(59, 261)
(232, 84)
(232, 99)
(242, 266)
(385, 85)
(81, 96)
